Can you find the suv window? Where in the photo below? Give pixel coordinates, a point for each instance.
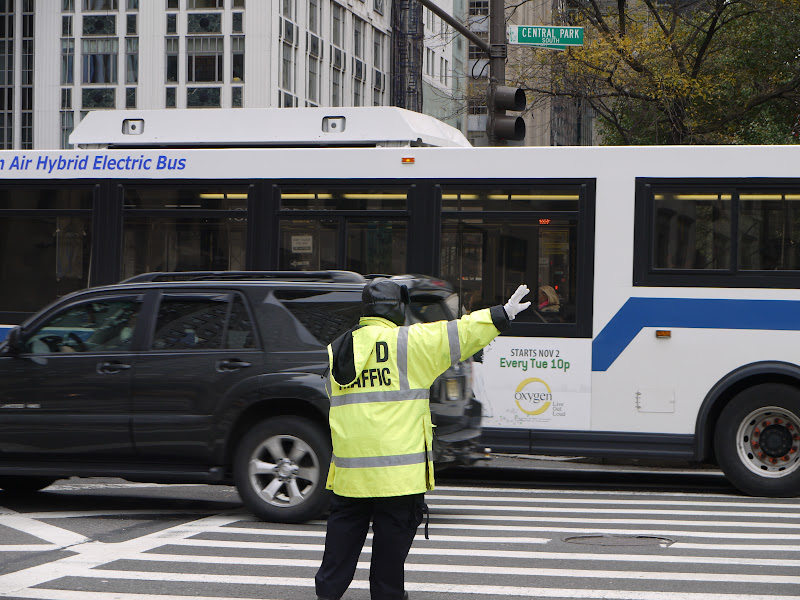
(101, 325)
(326, 315)
(198, 322)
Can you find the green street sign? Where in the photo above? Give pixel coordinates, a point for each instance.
(545, 36)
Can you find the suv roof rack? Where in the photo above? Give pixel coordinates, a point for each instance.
(333, 276)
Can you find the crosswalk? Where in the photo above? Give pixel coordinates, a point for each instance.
(485, 543)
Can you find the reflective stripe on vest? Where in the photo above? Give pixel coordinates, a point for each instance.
(402, 356)
(367, 462)
(387, 396)
(454, 342)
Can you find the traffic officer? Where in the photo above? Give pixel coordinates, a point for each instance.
(382, 463)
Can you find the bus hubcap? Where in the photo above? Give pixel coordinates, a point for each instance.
(768, 441)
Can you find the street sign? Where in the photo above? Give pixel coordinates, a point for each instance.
(545, 36)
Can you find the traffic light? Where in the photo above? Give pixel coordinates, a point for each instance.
(502, 126)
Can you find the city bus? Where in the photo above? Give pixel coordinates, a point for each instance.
(665, 303)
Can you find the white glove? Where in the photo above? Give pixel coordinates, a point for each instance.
(513, 307)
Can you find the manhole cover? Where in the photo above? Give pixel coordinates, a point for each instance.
(619, 540)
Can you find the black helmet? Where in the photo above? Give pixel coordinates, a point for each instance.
(384, 298)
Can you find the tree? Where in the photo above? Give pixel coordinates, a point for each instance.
(679, 71)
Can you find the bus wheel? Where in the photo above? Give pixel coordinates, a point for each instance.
(24, 484)
(280, 470)
(757, 440)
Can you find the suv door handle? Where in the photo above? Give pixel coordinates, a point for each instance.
(112, 367)
(231, 365)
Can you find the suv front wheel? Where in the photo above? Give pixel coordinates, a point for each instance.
(280, 469)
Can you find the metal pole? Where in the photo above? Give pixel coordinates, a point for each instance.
(497, 62)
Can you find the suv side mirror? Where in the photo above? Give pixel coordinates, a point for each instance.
(14, 345)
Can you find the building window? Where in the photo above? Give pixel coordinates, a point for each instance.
(204, 23)
(337, 25)
(66, 98)
(378, 76)
(133, 4)
(236, 97)
(172, 23)
(476, 53)
(130, 97)
(477, 106)
(173, 46)
(130, 28)
(98, 98)
(172, 5)
(26, 92)
(287, 100)
(27, 62)
(237, 22)
(237, 58)
(312, 93)
(100, 60)
(336, 87)
(67, 125)
(378, 6)
(66, 26)
(204, 4)
(131, 60)
(287, 67)
(67, 61)
(358, 93)
(287, 9)
(171, 97)
(238, 3)
(100, 5)
(358, 37)
(203, 97)
(204, 59)
(314, 16)
(100, 25)
(67, 5)
(478, 7)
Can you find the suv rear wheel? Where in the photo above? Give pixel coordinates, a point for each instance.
(280, 469)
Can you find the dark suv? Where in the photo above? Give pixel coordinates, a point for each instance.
(201, 377)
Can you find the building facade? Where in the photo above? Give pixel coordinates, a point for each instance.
(79, 55)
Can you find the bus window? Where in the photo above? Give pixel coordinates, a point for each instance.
(692, 231)
(356, 231)
(43, 255)
(183, 229)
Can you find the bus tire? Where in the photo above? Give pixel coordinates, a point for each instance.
(24, 484)
(757, 440)
(280, 469)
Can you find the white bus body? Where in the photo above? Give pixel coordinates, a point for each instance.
(659, 360)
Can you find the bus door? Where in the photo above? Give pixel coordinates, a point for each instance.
(537, 375)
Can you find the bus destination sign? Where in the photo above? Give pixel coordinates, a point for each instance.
(545, 36)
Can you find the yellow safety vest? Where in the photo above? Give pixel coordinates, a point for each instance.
(381, 422)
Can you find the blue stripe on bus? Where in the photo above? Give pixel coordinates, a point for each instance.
(637, 313)
(4, 329)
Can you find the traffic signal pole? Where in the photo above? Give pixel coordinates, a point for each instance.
(499, 97)
(497, 65)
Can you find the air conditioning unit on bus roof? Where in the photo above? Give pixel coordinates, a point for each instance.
(378, 126)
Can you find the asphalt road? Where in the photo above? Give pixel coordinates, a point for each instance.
(509, 527)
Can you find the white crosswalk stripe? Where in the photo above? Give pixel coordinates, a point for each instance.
(485, 544)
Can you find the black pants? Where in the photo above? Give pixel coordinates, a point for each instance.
(394, 524)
